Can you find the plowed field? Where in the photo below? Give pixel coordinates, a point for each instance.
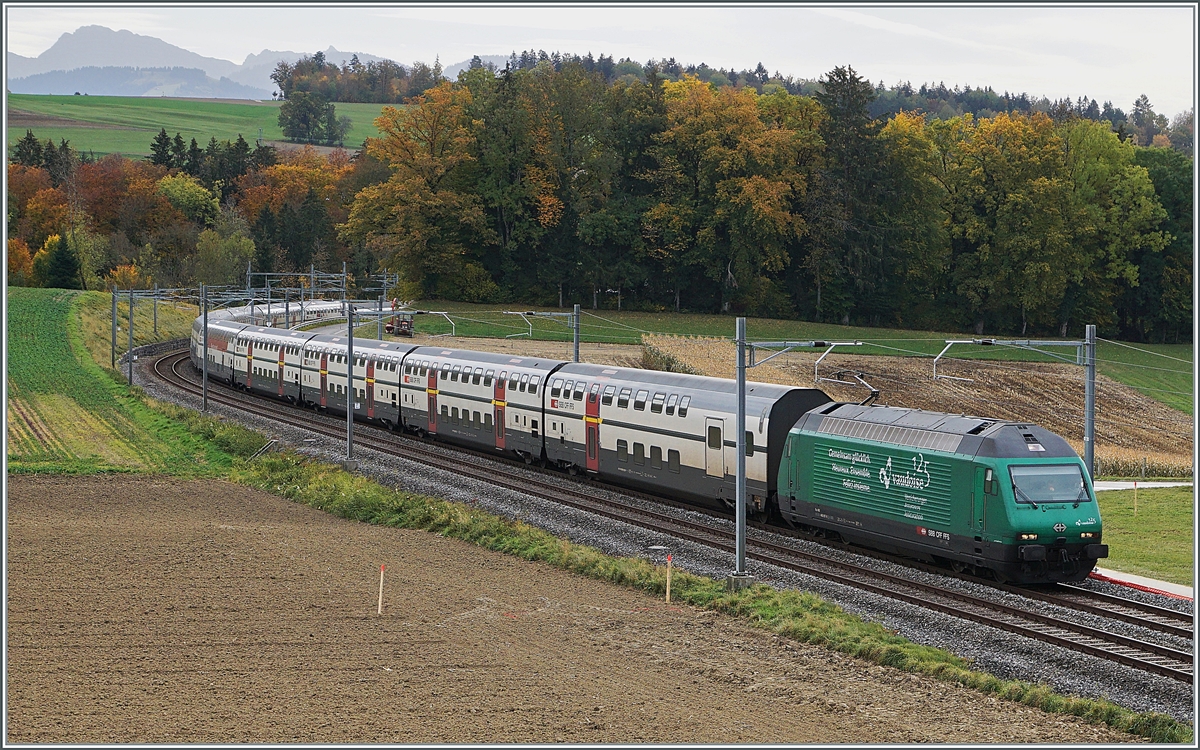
(157, 610)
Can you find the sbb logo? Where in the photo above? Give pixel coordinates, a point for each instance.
(922, 530)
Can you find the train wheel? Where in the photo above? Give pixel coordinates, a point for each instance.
(957, 566)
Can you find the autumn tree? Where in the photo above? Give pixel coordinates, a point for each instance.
(425, 219)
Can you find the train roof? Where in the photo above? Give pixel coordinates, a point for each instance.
(939, 431)
(495, 359)
(675, 380)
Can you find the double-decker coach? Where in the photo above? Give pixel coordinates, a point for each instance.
(483, 399)
(671, 433)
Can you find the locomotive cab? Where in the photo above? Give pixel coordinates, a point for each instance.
(976, 493)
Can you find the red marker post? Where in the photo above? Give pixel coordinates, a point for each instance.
(379, 611)
(668, 579)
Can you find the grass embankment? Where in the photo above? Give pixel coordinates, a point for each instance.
(47, 358)
(1158, 541)
(802, 616)
(127, 124)
(66, 414)
(1162, 372)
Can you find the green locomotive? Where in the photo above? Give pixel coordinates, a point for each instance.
(976, 494)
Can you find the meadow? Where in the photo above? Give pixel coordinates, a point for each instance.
(126, 125)
(1154, 538)
(67, 414)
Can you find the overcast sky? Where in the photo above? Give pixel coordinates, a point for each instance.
(1103, 52)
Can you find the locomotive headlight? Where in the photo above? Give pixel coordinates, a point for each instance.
(1027, 537)
(1087, 535)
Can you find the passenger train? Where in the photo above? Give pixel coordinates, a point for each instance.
(927, 486)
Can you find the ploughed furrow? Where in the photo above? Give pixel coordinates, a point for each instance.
(1112, 646)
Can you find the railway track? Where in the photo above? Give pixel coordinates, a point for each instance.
(1139, 654)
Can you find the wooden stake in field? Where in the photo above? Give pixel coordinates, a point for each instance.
(1135, 498)
(379, 610)
(668, 579)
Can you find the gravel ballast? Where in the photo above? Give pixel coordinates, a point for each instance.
(994, 651)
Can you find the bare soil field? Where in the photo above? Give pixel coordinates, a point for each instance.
(144, 609)
(1050, 394)
(19, 118)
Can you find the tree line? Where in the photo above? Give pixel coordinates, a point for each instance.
(556, 185)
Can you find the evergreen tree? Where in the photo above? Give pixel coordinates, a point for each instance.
(28, 151)
(62, 267)
(160, 149)
(195, 159)
(178, 152)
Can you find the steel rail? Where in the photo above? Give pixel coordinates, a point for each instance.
(1115, 647)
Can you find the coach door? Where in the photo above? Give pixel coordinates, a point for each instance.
(714, 446)
(324, 377)
(370, 386)
(282, 349)
(593, 428)
(431, 389)
(249, 364)
(498, 407)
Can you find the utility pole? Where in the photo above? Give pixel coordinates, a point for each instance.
(349, 462)
(1089, 399)
(576, 333)
(156, 312)
(739, 574)
(379, 319)
(204, 371)
(130, 355)
(114, 327)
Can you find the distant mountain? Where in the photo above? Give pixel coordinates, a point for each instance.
(97, 46)
(108, 56)
(256, 70)
(125, 81)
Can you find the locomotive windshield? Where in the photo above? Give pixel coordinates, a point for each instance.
(1048, 484)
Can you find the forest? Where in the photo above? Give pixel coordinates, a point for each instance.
(554, 184)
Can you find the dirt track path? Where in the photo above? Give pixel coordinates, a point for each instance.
(154, 610)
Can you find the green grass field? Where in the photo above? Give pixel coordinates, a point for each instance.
(126, 125)
(66, 414)
(1157, 541)
(1162, 372)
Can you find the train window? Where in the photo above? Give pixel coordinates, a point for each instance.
(593, 393)
(445, 412)
(683, 405)
(656, 405)
(454, 415)
(454, 373)
(556, 387)
(714, 437)
(749, 443)
(477, 377)
(487, 421)
(656, 457)
(623, 398)
(608, 395)
(524, 382)
(639, 454)
(622, 451)
(533, 384)
(502, 377)
(673, 461)
(580, 386)
(591, 444)
(475, 419)
(408, 370)
(671, 403)
(639, 401)
(445, 371)
(487, 377)
(566, 392)
(513, 380)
